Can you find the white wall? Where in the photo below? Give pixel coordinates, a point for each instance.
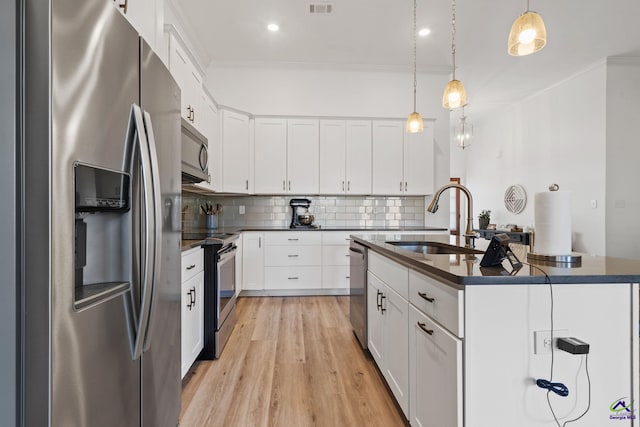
(555, 136)
(331, 92)
(623, 156)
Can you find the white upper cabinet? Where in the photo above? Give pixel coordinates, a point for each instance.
(345, 157)
(303, 153)
(358, 170)
(402, 162)
(387, 176)
(189, 80)
(333, 154)
(142, 14)
(235, 151)
(419, 161)
(270, 164)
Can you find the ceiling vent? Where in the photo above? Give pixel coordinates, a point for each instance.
(321, 8)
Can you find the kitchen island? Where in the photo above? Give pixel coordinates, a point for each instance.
(461, 345)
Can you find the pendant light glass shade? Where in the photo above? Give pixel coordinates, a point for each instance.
(414, 123)
(463, 133)
(528, 34)
(454, 95)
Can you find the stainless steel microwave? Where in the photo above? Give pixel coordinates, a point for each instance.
(195, 158)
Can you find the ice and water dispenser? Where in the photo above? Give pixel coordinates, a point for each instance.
(102, 237)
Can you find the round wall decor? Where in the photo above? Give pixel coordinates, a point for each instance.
(515, 199)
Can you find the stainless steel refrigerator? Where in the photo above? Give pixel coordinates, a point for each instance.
(97, 201)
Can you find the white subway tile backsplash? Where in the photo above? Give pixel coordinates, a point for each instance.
(329, 211)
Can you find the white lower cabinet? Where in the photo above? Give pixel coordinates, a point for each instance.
(192, 312)
(388, 318)
(252, 261)
(435, 373)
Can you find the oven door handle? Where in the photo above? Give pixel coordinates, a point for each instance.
(227, 252)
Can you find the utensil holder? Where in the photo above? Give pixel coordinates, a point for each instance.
(212, 221)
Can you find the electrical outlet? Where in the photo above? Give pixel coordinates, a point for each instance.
(542, 340)
(241, 209)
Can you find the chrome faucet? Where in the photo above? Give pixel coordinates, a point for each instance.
(469, 234)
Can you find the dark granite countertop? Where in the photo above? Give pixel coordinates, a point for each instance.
(460, 270)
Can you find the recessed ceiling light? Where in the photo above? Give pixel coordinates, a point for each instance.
(273, 27)
(424, 32)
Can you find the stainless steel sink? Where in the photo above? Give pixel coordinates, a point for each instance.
(433, 248)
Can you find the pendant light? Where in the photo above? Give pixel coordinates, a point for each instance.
(454, 93)
(414, 121)
(463, 132)
(528, 34)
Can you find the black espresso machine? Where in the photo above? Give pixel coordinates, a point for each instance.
(300, 216)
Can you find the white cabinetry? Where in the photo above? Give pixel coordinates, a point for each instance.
(293, 260)
(270, 148)
(142, 14)
(190, 81)
(335, 260)
(252, 261)
(192, 317)
(235, 151)
(435, 372)
(402, 163)
(388, 319)
(303, 156)
(345, 157)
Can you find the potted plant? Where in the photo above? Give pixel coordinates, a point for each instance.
(484, 217)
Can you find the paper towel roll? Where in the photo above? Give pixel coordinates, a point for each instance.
(552, 222)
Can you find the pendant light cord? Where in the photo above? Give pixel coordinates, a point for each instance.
(453, 36)
(415, 42)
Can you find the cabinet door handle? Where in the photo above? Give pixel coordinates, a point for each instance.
(342, 185)
(284, 185)
(293, 278)
(259, 242)
(293, 256)
(293, 240)
(193, 295)
(382, 309)
(423, 326)
(424, 296)
(246, 184)
(191, 267)
(348, 185)
(400, 185)
(289, 185)
(405, 186)
(193, 114)
(123, 6)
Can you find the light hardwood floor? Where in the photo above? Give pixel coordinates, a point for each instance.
(291, 361)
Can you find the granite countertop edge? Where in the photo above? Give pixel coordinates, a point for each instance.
(418, 262)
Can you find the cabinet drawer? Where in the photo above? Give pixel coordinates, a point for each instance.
(335, 277)
(393, 274)
(293, 238)
(192, 263)
(335, 255)
(280, 256)
(336, 237)
(292, 278)
(439, 301)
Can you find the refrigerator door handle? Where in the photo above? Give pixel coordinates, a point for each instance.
(157, 222)
(141, 319)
